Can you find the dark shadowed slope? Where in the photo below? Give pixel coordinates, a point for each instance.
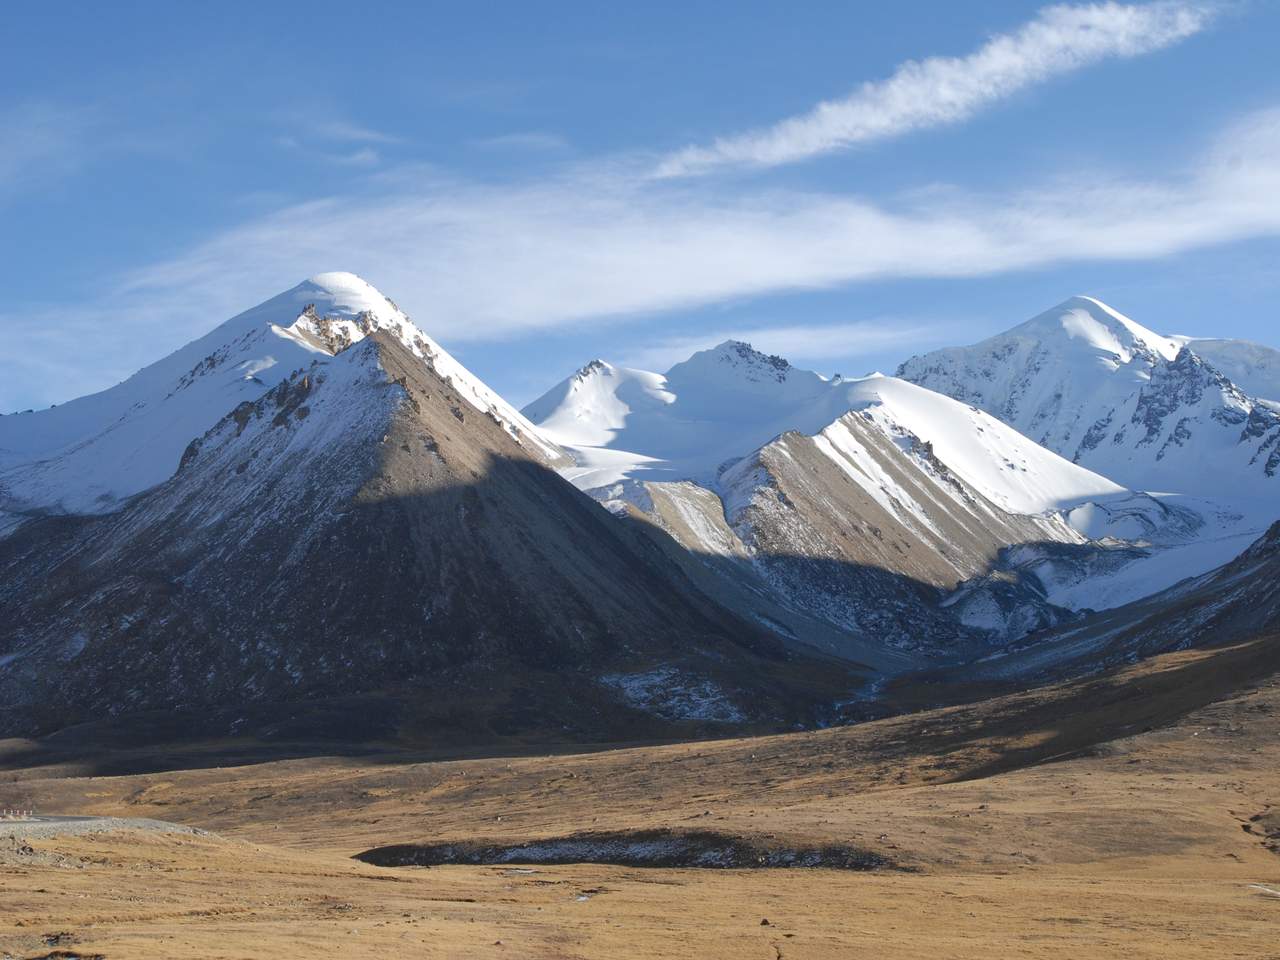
(1236, 603)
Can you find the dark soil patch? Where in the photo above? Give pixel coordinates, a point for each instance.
(1266, 827)
(633, 848)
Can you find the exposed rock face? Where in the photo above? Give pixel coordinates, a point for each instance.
(915, 517)
(361, 526)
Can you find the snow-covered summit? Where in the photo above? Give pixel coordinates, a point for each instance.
(596, 403)
(719, 404)
(735, 381)
(88, 455)
(736, 362)
(1088, 327)
(1105, 392)
(722, 404)
(341, 294)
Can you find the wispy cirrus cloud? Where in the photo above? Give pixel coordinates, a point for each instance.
(335, 139)
(946, 90)
(486, 262)
(363, 157)
(601, 241)
(476, 262)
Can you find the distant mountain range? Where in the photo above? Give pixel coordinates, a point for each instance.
(315, 502)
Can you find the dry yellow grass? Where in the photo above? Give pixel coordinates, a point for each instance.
(1131, 843)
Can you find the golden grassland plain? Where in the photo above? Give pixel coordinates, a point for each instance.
(1132, 814)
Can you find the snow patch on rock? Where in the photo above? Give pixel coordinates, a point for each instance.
(667, 693)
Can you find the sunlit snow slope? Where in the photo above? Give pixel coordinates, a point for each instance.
(1143, 409)
(88, 455)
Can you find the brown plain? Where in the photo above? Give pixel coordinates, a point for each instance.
(1131, 814)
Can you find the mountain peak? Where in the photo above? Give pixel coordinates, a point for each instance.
(1089, 325)
(338, 279)
(339, 293)
(593, 368)
(734, 359)
(739, 351)
(1103, 391)
(87, 455)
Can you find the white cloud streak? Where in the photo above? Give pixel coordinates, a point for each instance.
(599, 245)
(492, 262)
(364, 157)
(946, 90)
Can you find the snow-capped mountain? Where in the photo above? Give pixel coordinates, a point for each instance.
(89, 455)
(685, 424)
(865, 501)
(362, 528)
(1145, 410)
(315, 501)
(721, 404)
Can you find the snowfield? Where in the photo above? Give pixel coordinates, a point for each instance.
(1252, 367)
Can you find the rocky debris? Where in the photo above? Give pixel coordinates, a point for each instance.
(15, 851)
(82, 826)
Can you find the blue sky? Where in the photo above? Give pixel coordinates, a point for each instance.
(537, 185)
